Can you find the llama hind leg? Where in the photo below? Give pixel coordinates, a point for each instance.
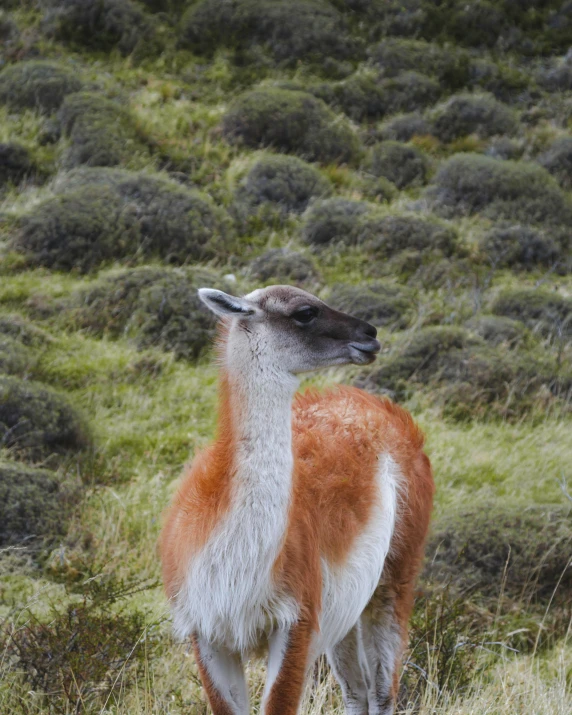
(288, 665)
(347, 661)
(222, 676)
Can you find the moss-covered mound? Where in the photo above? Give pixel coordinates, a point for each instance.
(402, 164)
(107, 214)
(466, 114)
(15, 163)
(291, 122)
(502, 547)
(518, 191)
(332, 221)
(32, 504)
(37, 422)
(284, 265)
(150, 306)
(450, 66)
(525, 248)
(497, 330)
(98, 24)
(469, 378)
(101, 132)
(37, 85)
(384, 236)
(382, 304)
(284, 181)
(548, 313)
(309, 30)
(557, 159)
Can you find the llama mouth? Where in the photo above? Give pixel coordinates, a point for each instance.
(364, 353)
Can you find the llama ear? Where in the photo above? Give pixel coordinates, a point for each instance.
(224, 305)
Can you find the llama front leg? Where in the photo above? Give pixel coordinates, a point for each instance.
(222, 676)
(288, 665)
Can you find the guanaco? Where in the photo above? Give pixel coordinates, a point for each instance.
(301, 529)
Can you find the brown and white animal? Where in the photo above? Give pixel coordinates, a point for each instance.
(301, 529)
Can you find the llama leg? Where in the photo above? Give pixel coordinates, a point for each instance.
(384, 629)
(347, 662)
(288, 665)
(222, 676)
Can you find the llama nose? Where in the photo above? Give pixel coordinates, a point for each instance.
(369, 331)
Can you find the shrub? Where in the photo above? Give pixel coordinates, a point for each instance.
(521, 247)
(37, 422)
(518, 191)
(33, 504)
(399, 163)
(101, 132)
(14, 357)
(99, 24)
(15, 163)
(406, 127)
(111, 214)
(449, 66)
(409, 91)
(37, 85)
(469, 378)
(87, 651)
(360, 96)
(283, 264)
(492, 547)
(332, 220)
(549, 313)
(466, 114)
(556, 79)
(557, 159)
(290, 122)
(497, 330)
(285, 181)
(151, 306)
(382, 304)
(385, 236)
(308, 30)
(26, 333)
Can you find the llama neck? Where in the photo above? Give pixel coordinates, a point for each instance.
(259, 409)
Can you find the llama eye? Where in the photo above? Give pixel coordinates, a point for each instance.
(305, 315)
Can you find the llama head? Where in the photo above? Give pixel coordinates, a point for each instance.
(291, 330)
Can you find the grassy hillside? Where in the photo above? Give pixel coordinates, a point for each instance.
(409, 162)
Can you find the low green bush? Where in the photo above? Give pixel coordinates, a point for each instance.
(382, 304)
(493, 548)
(37, 84)
(406, 127)
(465, 114)
(360, 96)
(15, 163)
(309, 30)
(15, 358)
(522, 247)
(153, 307)
(36, 421)
(99, 24)
(284, 181)
(516, 191)
(402, 164)
(450, 66)
(291, 122)
(101, 132)
(107, 214)
(332, 221)
(384, 236)
(410, 91)
(497, 330)
(557, 159)
(33, 504)
(22, 330)
(469, 378)
(546, 312)
(283, 264)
